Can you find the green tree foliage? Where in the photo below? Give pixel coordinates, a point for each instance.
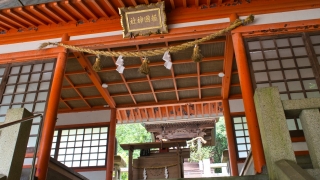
(130, 133)
(221, 142)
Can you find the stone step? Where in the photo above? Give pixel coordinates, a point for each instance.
(254, 177)
(304, 162)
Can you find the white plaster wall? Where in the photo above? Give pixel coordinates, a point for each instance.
(289, 16)
(94, 175)
(299, 146)
(83, 117)
(236, 105)
(259, 19)
(25, 46)
(240, 166)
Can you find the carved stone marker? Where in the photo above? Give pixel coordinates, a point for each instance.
(13, 143)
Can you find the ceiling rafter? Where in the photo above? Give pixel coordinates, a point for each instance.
(172, 102)
(183, 61)
(139, 113)
(12, 21)
(145, 79)
(48, 10)
(121, 3)
(40, 14)
(31, 16)
(134, 3)
(81, 98)
(212, 86)
(74, 10)
(172, 4)
(65, 103)
(76, 72)
(226, 81)
(60, 9)
(153, 114)
(199, 82)
(77, 91)
(119, 115)
(184, 3)
(111, 7)
(85, 63)
(81, 109)
(78, 86)
(3, 27)
(173, 79)
(196, 3)
(125, 83)
(172, 105)
(86, 8)
(20, 18)
(134, 117)
(98, 7)
(7, 24)
(149, 81)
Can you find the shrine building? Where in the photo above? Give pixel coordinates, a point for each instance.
(77, 68)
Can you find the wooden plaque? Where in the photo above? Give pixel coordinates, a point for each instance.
(143, 20)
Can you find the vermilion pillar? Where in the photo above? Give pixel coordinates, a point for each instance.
(111, 144)
(247, 95)
(51, 115)
(230, 138)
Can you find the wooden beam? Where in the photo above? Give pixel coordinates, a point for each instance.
(196, 3)
(58, 8)
(125, 83)
(230, 138)
(74, 10)
(31, 16)
(249, 107)
(20, 18)
(4, 28)
(172, 4)
(77, 91)
(7, 24)
(78, 86)
(85, 63)
(184, 2)
(65, 103)
(149, 81)
(81, 98)
(111, 7)
(48, 10)
(12, 21)
(111, 144)
(121, 3)
(199, 79)
(98, 7)
(86, 9)
(51, 115)
(40, 15)
(181, 61)
(226, 80)
(134, 3)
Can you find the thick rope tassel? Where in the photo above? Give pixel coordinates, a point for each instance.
(97, 65)
(45, 44)
(144, 68)
(196, 56)
(155, 52)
